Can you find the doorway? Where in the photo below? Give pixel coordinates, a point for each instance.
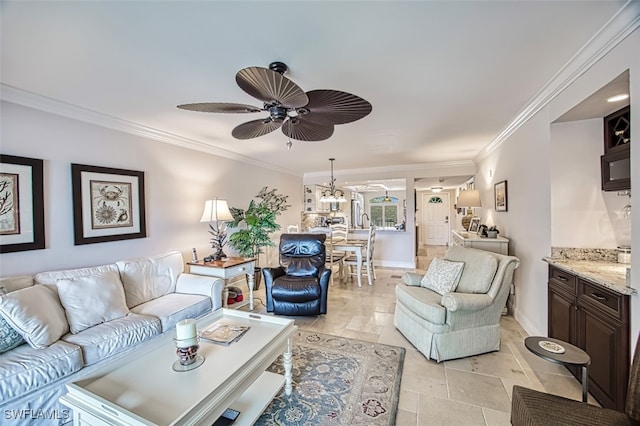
(435, 219)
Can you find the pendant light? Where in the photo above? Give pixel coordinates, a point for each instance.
(333, 195)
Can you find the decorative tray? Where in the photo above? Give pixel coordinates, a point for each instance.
(551, 347)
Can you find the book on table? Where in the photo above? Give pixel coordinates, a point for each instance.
(224, 334)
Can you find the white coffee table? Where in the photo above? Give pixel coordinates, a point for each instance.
(143, 389)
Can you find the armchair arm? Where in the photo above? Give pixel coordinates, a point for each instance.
(203, 285)
(270, 275)
(411, 278)
(465, 301)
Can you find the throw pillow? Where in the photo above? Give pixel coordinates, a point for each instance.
(36, 314)
(442, 276)
(92, 299)
(9, 337)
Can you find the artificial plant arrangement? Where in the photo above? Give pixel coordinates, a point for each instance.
(256, 224)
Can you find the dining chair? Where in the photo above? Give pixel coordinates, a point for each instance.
(334, 258)
(368, 267)
(293, 229)
(339, 232)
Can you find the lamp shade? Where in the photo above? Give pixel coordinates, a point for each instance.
(216, 210)
(469, 198)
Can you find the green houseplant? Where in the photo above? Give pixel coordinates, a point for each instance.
(254, 226)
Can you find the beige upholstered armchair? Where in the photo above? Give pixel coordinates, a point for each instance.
(462, 322)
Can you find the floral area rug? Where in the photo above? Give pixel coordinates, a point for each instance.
(338, 381)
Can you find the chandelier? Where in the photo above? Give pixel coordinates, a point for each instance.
(333, 195)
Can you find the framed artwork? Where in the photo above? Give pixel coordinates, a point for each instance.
(500, 194)
(474, 225)
(21, 204)
(108, 204)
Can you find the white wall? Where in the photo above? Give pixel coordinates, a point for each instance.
(582, 215)
(524, 159)
(177, 183)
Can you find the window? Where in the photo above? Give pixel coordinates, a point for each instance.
(435, 200)
(384, 211)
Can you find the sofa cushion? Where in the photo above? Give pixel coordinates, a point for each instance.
(479, 269)
(109, 338)
(148, 278)
(51, 278)
(25, 369)
(9, 337)
(174, 307)
(36, 314)
(442, 276)
(16, 283)
(92, 299)
(423, 302)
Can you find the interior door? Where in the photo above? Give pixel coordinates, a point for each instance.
(435, 219)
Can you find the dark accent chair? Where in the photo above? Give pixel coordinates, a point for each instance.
(530, 407)
(299, 286)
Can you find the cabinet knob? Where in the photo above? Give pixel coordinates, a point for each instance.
(563, 279)
(243, 268)
(598, 296)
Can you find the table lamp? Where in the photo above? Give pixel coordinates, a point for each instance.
(469, 199)
(217, 211)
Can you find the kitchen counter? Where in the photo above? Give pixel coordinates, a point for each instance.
(608, 274)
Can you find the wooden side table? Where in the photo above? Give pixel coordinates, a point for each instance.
(227, 269)
(572, 355)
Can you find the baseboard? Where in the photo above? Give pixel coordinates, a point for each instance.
(395, 264)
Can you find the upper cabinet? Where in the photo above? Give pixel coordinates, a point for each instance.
(615, 163)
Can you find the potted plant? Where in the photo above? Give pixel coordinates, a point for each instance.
(256, 224)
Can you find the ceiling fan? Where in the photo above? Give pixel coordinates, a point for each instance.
(309, 116)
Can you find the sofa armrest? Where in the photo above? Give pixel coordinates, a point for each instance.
(200, 284)
(465, 301)
(411, 278)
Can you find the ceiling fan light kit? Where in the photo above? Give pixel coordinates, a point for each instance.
(309, 116)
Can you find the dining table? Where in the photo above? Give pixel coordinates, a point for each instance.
(357, 247)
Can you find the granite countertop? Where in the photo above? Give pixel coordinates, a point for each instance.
(611, 275)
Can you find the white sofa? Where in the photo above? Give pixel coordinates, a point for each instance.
(462, 322)
(84, 318)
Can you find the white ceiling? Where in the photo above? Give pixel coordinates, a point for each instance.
(444, 77)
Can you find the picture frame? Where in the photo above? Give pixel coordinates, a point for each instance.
(21, 204)
(108, 204)
(474, 225)
(501, 196)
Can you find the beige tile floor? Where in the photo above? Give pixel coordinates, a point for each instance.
(469, 391)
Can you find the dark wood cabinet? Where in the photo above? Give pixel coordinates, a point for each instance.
(596, 320)
(617, 130)
(615, 164)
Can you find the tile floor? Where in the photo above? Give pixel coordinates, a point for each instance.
(469, 391)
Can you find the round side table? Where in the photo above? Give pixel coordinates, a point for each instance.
(560, 352)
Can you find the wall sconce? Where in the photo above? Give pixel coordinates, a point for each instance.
(217, 211)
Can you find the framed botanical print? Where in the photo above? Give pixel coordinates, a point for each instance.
(21, 204)
(108, 204)
(500, 194)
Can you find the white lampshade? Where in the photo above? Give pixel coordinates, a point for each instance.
(216, 210)
(469, 198)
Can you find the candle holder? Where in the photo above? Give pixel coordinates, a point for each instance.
(187, 352)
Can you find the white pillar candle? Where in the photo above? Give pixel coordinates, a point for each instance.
(186, 333)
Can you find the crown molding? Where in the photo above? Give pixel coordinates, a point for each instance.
(400, 168)
(42, 103)
(616, 29)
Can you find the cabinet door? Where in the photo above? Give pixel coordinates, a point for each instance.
(562, 314)
(603, 338)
